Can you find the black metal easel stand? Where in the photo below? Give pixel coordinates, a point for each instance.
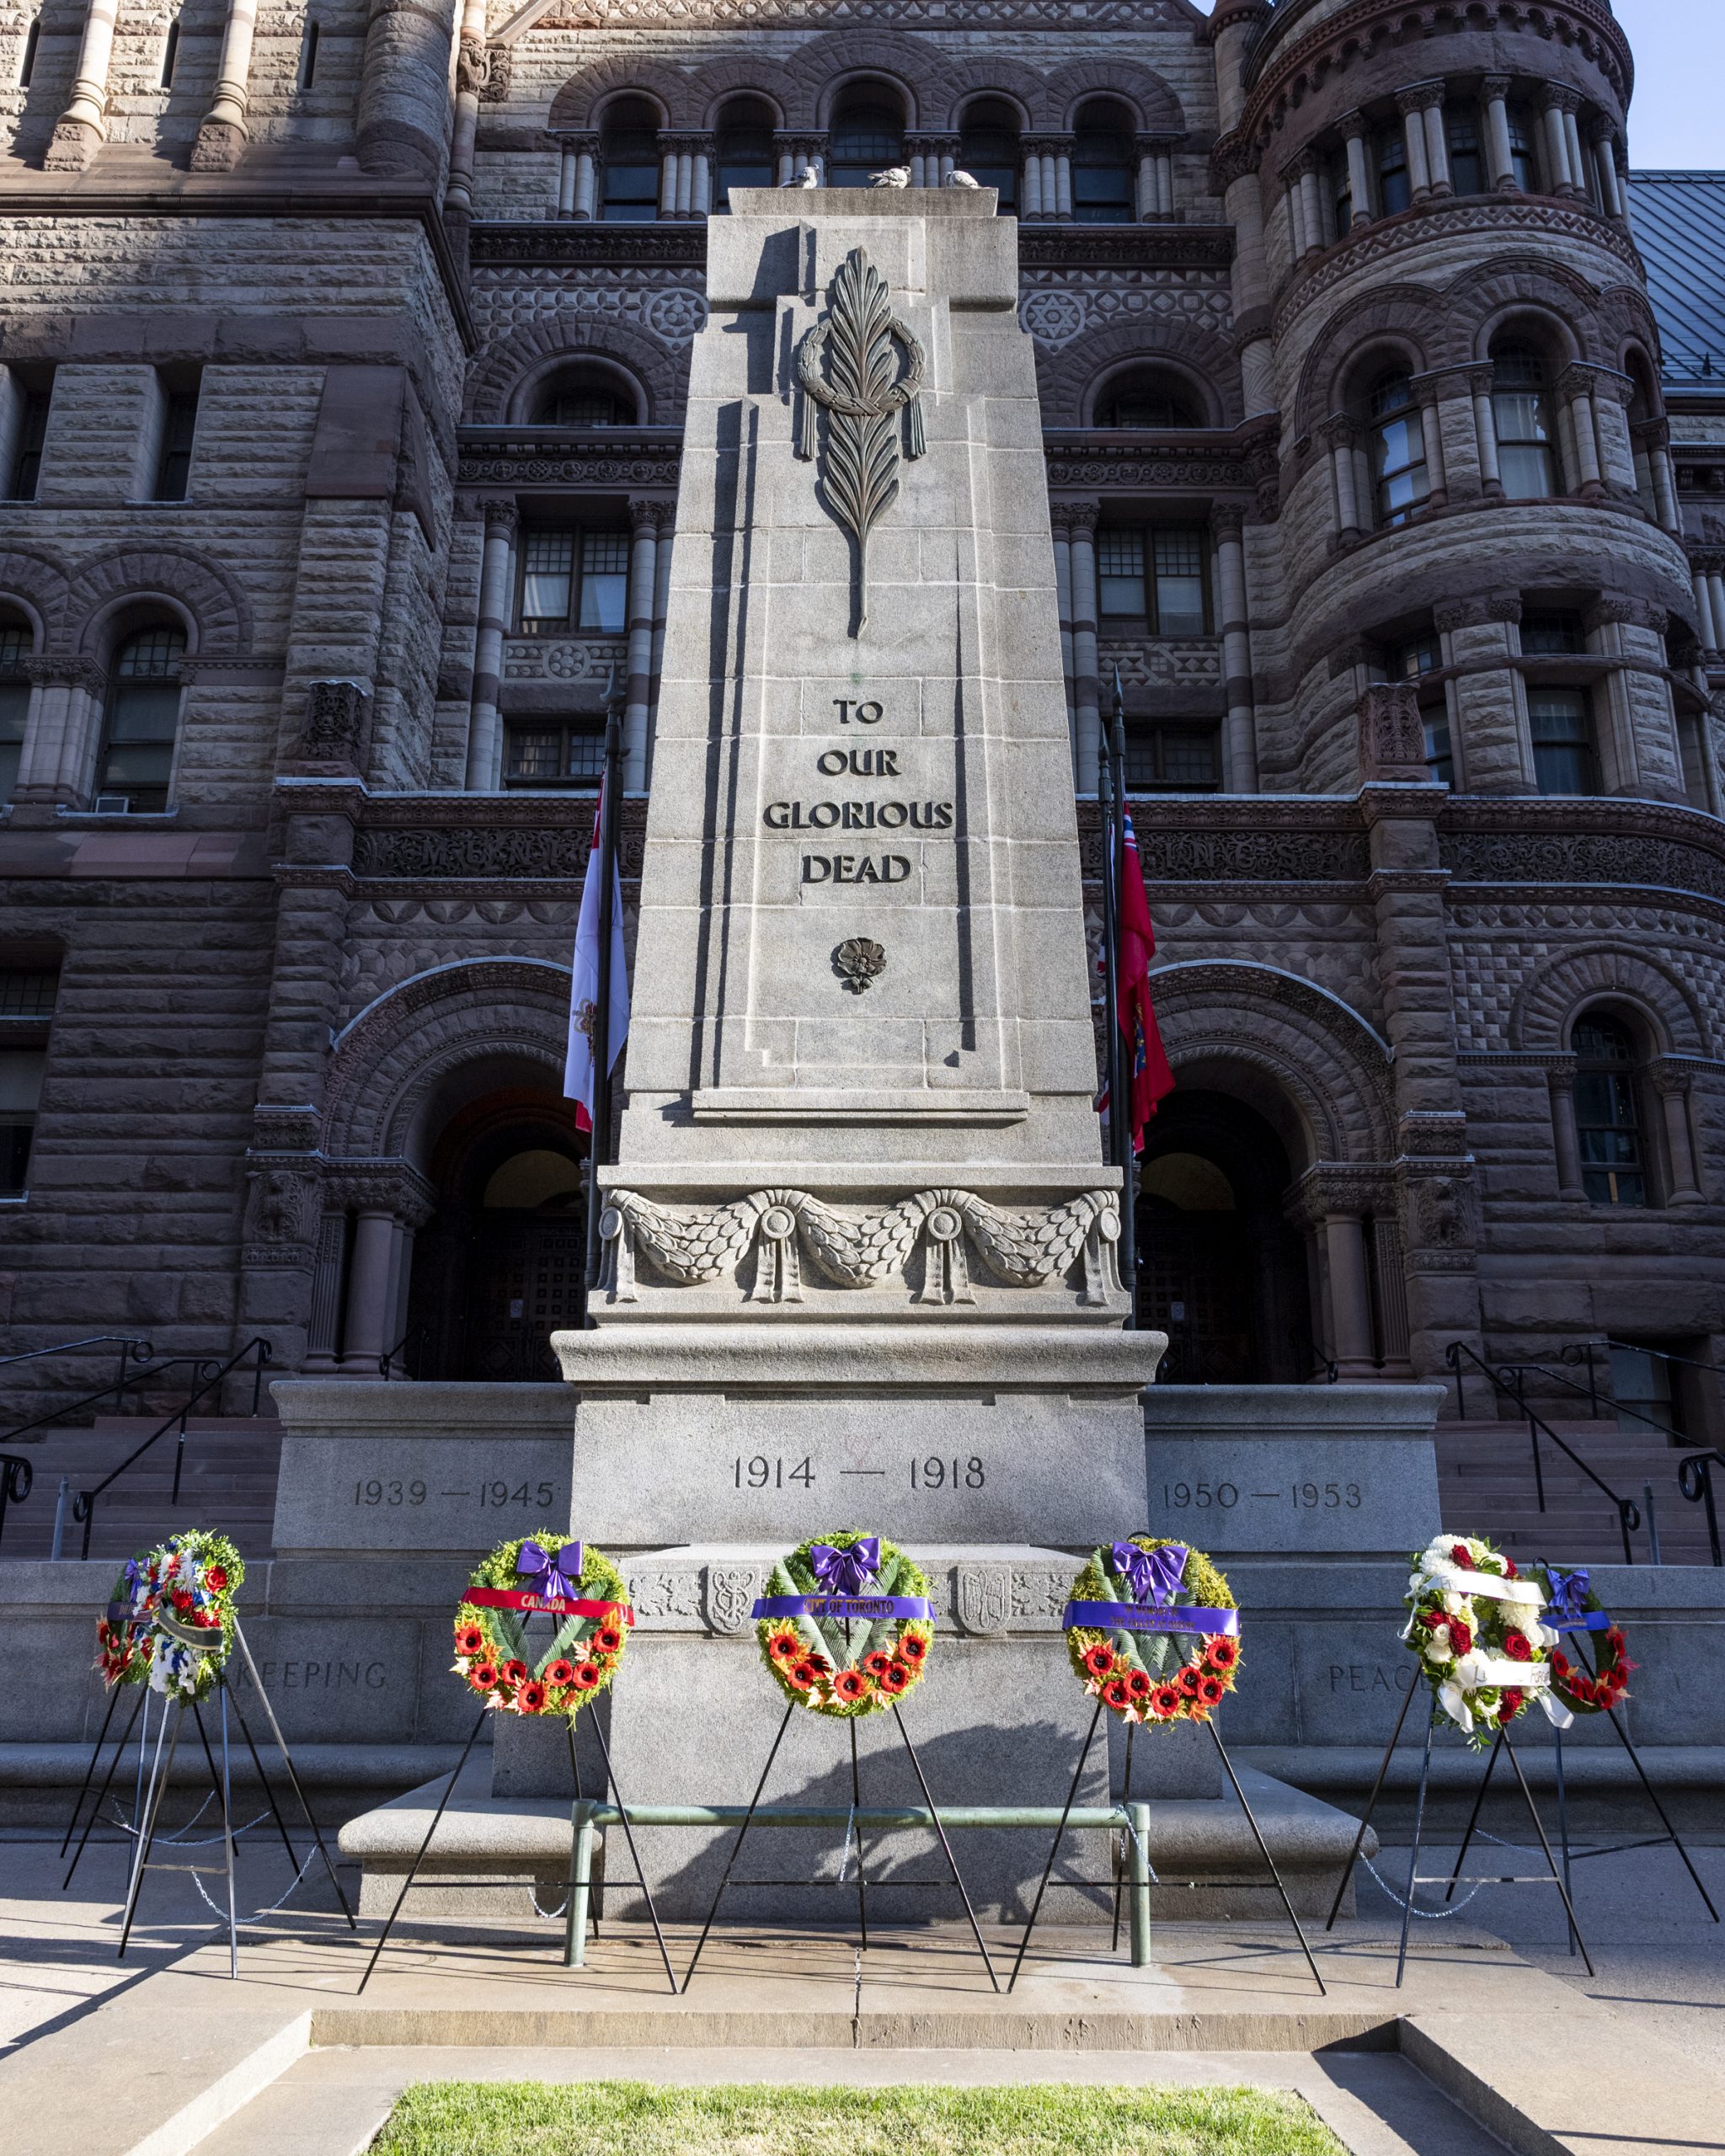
(160, 1772)
(862, 1905)
(1251, 1821)
(615, 1794)
(1415, 1881)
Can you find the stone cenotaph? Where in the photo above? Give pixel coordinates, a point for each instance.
(859, 1242)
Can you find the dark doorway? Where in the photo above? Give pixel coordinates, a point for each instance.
(502, 1266)
(1219, 1269)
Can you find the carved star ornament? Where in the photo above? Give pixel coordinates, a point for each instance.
(862, 391)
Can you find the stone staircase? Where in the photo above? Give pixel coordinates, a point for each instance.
(1486, 1487)
(227, 1483)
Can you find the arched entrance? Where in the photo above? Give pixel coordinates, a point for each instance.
(1219, 1270)
(502, 1264)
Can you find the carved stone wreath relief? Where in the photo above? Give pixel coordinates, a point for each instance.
(954, 1230)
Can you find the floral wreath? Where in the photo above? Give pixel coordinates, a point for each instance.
(816, 1597)
(554, 1573)
(169, 1621)
(1475, 1624)
(1571, 1606)
(1148, 1655)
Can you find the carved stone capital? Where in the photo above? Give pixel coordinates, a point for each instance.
(502, 517)
(392, 1187)
(1391, 736)
(1227, 520)
(578, 139)
(1342, 1190)
(334, 729)
(65, 673)
(1494, 88)
(1337, 431)
(1080, 517)
(1419, 97)
(1670, 1080)
(1563, 96)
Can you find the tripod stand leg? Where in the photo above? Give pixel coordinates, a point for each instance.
(736, 1846)
(1048, 1870)
(1539, 1827)
(90, 1771)
(1425, 1776)
(159, 1772)
(107, 1783)
(1120, 1867)
(219, 1782)
(269, 1793)
(856, 1806)
(413, 1870)
(952, 1861)
(1563, 1822)
(1377, 1789)
(617, 1796)
(1263, 1850)
(1652, 1798)
(1473, 1819)
(293, 1777)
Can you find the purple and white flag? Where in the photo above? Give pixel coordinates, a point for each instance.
(578, 1069)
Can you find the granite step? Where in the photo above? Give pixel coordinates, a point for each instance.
(1486, 1487)
(227, 1483)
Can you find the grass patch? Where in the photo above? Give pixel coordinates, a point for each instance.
(629, 2118)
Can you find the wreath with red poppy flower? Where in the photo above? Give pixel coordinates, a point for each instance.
(492, 1654)
(1154, 1677)
(1609, 1683)
(836, 1666)
(169, 1621)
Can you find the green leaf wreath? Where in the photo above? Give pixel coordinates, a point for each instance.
(1585, 1692)
(1154, 1677)
(491, 1649)
(833, 1667)
(169, 1621)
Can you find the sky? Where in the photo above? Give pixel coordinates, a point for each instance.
(1679, 60)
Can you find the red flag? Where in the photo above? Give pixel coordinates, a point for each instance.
(1148, 1071)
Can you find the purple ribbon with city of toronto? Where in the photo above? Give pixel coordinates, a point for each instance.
(1564, 1612)
(843, 1576)
(1152, 1577)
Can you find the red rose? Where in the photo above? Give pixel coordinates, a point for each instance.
(1188, 1681)
(468, 1639)
(216, 1576)
(1461, 1636)
(1516, 1647)
(515, 1673)
(180, 1599)
(1165, 1703)
(1221, 1653)
(1614, 1640)
(876, 1663)
(587, 1676)
(913, 1647)
(560, 1675)
(1212, 1691)
(1115, 1693)
(482, 1677)
(1463, 1556)
(608, 1640)
(1138, 1683)
(896, 1679)
(1509, 1570)
(1511, 1705)
(532, 1697)
(852, 1684)
(1099, 1660)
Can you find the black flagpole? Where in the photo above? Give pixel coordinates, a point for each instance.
(1114, 766)
(598, 1142)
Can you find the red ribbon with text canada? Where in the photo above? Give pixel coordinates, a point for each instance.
(557, 1605)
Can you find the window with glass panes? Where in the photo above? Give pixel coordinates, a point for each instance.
(558, 753)
(1525, 461)
(988, 150)
(1173, 758)
(578, 404)
(1399, 472)
(1410, 660)
(573, 580)
(21, 1073)
(14, 702)
(1608, 1114)
(1523, 150)
(744, 152)
(1157, 575)
(180, 425)
(865, 139)
(1551, 636)
(1101, 171)
(1395, 189)
(26, 451)
(1560, 722)
(143, 718)
(630, 149)
(1146, 401)
(1466, 144)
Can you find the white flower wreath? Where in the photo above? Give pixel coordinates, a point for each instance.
(1475, 1626)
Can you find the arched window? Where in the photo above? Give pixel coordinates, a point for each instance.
(988, 148)
(1148, 398)
(14, 699)
(1608, 1124)
(867, 136)
(1102, 166)
(629, 145)
(143, 718)
(744, 148)
(1522, 415)
(1398, 465)
(582, 397)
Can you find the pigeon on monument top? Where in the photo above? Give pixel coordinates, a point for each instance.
(893, 176)
(960, 179)
(807, 178)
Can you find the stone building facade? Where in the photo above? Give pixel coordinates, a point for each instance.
(343, 345)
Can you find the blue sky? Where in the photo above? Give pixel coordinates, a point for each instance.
(1679, 52)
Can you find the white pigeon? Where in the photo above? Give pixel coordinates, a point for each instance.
(807, 178)
(893, 176)
(961, 179)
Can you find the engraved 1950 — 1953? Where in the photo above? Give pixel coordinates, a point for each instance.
(764, 1471)
(858, 814)
(1299, 1496)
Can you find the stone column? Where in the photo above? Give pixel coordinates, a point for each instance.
(65, 712)
(222, 134)
(1030, 209)
(1411, 104)
(1063, 178)
(1155, 177)
(566, 179)
(1431, 431)
(1563, 177)
(584, 200)
(1312, 204)
(82, 126)
(667, 515)
(1566, 1142)
(1715, 588)
(376, 1256)
(1575, 386)
(1572, 145)
(328, 1286)
(469, 81)
(1358, 171)
(404, 101)
(1081, 522)
(1500, 156)
(1437, 144)
(1480, 382)
(667, 179)
(638, 696)
(1228, 525)
(1298, 241)
(1350, 1294)
(1653, 436)
(1602, 141)
(1706, 627)
(1337, 435)
(496, 598)
(1671, 1081)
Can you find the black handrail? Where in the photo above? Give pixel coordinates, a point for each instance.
(410, 1338)
(139, 1350)
(1640, 1348)
(85, 1504)
(1558, 1377)
(1694, 1479)
(16, 1475)
(1507, 1379)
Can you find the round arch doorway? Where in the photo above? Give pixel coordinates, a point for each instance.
(502, 1264)
(1219, 1270)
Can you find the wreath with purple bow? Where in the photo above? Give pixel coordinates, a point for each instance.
(558, 1576)
(1153, 1631)
(846, 1625)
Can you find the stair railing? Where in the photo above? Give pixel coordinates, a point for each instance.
(1507, 1378)
(1694, 1479)
(209, 1377)
(415, 1337)
(16, 1475)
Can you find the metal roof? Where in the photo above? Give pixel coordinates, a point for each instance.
(1679, 228)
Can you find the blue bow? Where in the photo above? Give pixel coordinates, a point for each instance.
(1153, 1574)
(1569, 1590)
(134, 1576)
(555, 1574)
(846, 1571)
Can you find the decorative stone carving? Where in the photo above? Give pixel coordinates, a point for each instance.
(335, 723)
(695, 1245)
(1391, 736)
(858, 961)
(731, 1590)
(985, 1597)
(279, 1198)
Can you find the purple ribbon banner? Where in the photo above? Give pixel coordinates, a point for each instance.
(870, 1606)
(1133, 1617)
(1564, 1612)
